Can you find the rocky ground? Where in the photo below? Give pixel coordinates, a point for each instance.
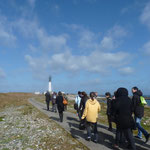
(25, 128)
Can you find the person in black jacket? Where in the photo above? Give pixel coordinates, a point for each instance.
(84, 98)
(47, 99)
(60, 105)
(123, 114)
(109, 109)
(139, 113)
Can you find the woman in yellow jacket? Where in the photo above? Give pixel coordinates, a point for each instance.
(91, 110)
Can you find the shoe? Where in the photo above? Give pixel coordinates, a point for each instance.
(95, 141)
(115, 146)
(147, 138)
(138, 137)
(88, 138)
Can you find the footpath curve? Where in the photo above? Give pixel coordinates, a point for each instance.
(70, 124)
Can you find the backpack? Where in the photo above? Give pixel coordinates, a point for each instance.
(65, 101)
(143, 101)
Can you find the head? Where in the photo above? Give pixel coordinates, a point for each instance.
(83, 94)
(92, 95)
(96, 94)
(107, 95)
(59, 93)
(121, 92)
(134, 89)
(79, 93)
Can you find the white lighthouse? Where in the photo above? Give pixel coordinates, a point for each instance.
(50, 84)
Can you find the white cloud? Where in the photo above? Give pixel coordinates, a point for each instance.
(146, 48)
(2, 73)
(91, 40)
(145, 16)
(7, 37)
(96, 62)
(126, 71)
(32, 30)
(113, 38)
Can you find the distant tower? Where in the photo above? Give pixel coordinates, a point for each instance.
(50, 84)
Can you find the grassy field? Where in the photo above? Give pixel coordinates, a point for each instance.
(22, 126)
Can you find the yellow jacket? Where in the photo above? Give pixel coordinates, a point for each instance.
(92, 107)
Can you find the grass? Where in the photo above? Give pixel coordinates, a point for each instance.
(20, 100)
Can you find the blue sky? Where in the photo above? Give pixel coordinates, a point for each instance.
(90, 45)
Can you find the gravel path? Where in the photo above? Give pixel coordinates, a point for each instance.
(70, 124)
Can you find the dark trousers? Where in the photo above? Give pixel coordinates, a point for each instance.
(119, 136)
(47, 104)
(61, 116)
(129, 136)
(109, 121)
(94, 127)
(127, 133)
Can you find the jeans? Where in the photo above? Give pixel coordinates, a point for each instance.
(94, 126)
(140, 128)
(54, 107)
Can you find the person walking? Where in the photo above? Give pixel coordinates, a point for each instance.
(77, 104)
(109, 110)
(92, 107)
(139, 113)
(60, 105)
(47, 99)
(84, 98)
(124, 120)
(54, 95)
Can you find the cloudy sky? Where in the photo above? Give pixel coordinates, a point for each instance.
(91, 45)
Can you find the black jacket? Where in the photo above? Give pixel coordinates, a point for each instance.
(82, 104)
(59, 102)
(123, 110)
(47, 96)
(109, 106)
(137, 108)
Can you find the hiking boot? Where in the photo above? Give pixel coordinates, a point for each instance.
(147, 138)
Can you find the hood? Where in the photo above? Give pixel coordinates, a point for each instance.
(139, 93)
(122, 92)
(92, 102)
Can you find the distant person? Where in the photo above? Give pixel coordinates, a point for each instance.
(54, 95)
(47, 99)
(60, 105)
(109, 110)
(124, 120)
(77, 104)
(65, 105)
(92, 107)
(96, 94)
(139, 113)
(84, 98)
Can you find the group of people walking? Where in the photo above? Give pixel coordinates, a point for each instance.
(57, 103)
(124, 111)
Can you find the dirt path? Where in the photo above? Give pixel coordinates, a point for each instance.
(70, 124)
